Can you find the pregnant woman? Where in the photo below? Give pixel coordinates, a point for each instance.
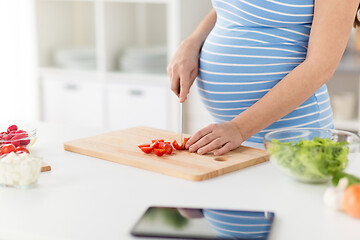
(262, 65)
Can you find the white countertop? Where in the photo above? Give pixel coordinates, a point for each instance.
(89, 198)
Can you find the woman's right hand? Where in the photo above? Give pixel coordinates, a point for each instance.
(183, 68)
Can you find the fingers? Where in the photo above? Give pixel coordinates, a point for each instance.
(184, 83)
(181, 78)
(215, 144)
(198, 135)
(203, 141)
(175, 82)
(226, 148)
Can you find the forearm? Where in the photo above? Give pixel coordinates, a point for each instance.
(326, 46)
(203, 29)
(282, 99)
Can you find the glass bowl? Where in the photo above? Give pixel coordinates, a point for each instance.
(309, 154)
(19, 170)
(26, 138)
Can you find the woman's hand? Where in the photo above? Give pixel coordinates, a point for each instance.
(183, 68)
(223, 137)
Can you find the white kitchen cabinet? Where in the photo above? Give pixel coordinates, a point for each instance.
(131, 105)
(109, 28)
(68, 100)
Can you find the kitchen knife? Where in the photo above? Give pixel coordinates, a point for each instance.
(181, 121)
(181, 124)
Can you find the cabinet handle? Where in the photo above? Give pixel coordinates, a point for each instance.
(135, 92)
(72, 87)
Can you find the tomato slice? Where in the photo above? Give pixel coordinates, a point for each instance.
(159, 140)
(176, 145)
(7, 148)
(184, 143)
(155, 144)
(168, 148)
(161, 145)
(21, 149)
(144, 145)
(159, 152)
(146, 149)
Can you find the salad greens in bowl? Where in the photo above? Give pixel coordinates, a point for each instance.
(310, 154)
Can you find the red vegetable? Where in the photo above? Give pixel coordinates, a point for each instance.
(21, 149)
(159, 152)
(161, 145)
(7, 148)
(12, 128)
(155, 144)
(176, 145)
(144, 145)
(184, 143)
(147, 149)
(168, 148)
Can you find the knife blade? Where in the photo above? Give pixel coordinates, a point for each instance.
(181, 122)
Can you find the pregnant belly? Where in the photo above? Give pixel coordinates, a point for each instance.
(233, 76)
(243, 73)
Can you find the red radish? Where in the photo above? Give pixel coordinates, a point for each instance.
(12, 132)
(21, 135)
(6, 137)
(24, 142)
(16, 139)
(12, 128)
(20, 131)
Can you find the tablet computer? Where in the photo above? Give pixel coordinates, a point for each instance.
(203, 223)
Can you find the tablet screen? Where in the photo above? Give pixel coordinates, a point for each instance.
(194, 223)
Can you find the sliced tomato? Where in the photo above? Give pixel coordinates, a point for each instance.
(184, 143)
(161, 145)
(176, 145)
(159, 140)
(159, 152)
(7, 148)
(144, 145)
(146, 149)
(21, 149)
(155, 144)
(168, 148)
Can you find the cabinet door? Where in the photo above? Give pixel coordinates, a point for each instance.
(72, 102)
(131, 105)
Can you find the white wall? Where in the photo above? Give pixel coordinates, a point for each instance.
(18, 89)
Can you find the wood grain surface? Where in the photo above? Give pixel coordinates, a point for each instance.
(45, 167)
(122, 147)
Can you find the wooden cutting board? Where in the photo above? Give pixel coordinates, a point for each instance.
(45, 167)
(122, 147)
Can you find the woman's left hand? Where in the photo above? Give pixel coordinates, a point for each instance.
(221, 137)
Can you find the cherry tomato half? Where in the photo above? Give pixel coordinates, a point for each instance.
(161, 145)
(146, 149)
(7, 148)
(168, 148)
(184, 143)
(21, 149)
(159, 152)
(144, 145)
(155, 144)
(176, 145)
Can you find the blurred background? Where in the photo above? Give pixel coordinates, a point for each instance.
(102, 64)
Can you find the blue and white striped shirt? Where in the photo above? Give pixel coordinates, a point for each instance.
(254, 45)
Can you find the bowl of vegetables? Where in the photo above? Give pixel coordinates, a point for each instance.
(18, 136)
(309, 154)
